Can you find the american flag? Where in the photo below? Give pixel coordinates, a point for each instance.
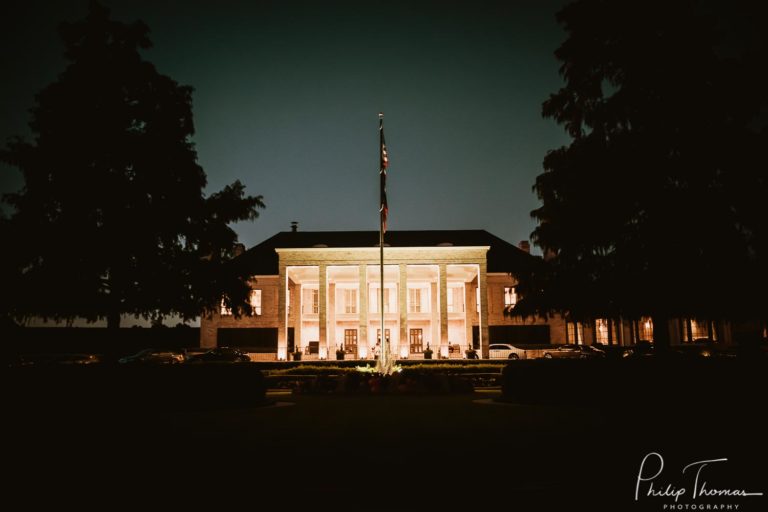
(383, 164)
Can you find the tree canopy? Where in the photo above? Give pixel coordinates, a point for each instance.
(112, 218)
(657, 206)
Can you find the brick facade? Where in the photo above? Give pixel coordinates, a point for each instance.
(443, 272)
(268, 318)
(496, 316)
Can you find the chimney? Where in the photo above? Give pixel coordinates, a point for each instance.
(294, 226)
(525, 245)
(237, 250)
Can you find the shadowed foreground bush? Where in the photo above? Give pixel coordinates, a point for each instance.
(142, 387)
(633, 381)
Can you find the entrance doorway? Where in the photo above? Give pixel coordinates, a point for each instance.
(350, 341)
(417, 341)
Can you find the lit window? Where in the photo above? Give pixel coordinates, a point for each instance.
(601, 330)
(701, 329)
(605, 331)
(455, 299)
(256, 301)
(310, 301)
(645, 329)
(224, 310)
(510, 297)
(414, 300)
(575, 333)
(376, 299)
(350, 301)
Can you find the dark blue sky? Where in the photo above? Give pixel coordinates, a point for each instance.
(287, 95)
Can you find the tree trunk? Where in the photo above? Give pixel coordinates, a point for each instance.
(113, 320)
(748, 335)
(661, 334)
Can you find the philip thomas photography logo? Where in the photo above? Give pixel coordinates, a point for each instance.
(692, 490)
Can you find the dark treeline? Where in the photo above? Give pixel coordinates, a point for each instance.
(112, 218)
(657, 206)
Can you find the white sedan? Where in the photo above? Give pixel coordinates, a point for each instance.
(505, 351)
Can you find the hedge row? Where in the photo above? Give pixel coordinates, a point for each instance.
(102, 387)
(406, 382)
(334, 369)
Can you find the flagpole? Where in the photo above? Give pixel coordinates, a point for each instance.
(384, 356)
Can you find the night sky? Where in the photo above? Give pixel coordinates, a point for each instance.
(287, 95)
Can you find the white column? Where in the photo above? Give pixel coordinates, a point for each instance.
(403, 311)
(434, 333)
(323, 310)
(362, 333)
(482, 280)
(296, 314)
(443, 311)
(469, 301)
(331, 334)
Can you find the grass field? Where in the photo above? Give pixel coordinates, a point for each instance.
(450, 452)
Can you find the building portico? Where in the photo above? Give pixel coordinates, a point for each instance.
(329, 298)
(321, 291)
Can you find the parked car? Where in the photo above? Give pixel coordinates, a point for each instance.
(55, 359)
(154, 356)
(701, 347)
(643, 348)
(590, 351)
(573, 352)
(617, 351)
(220, 355)
(705, 347)
(504, 351)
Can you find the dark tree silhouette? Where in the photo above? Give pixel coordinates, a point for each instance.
(657, 207)
(112, 218)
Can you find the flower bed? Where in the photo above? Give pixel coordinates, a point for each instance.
(405, 382)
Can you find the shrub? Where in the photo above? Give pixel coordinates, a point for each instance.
(630, 381)
(96, 387)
